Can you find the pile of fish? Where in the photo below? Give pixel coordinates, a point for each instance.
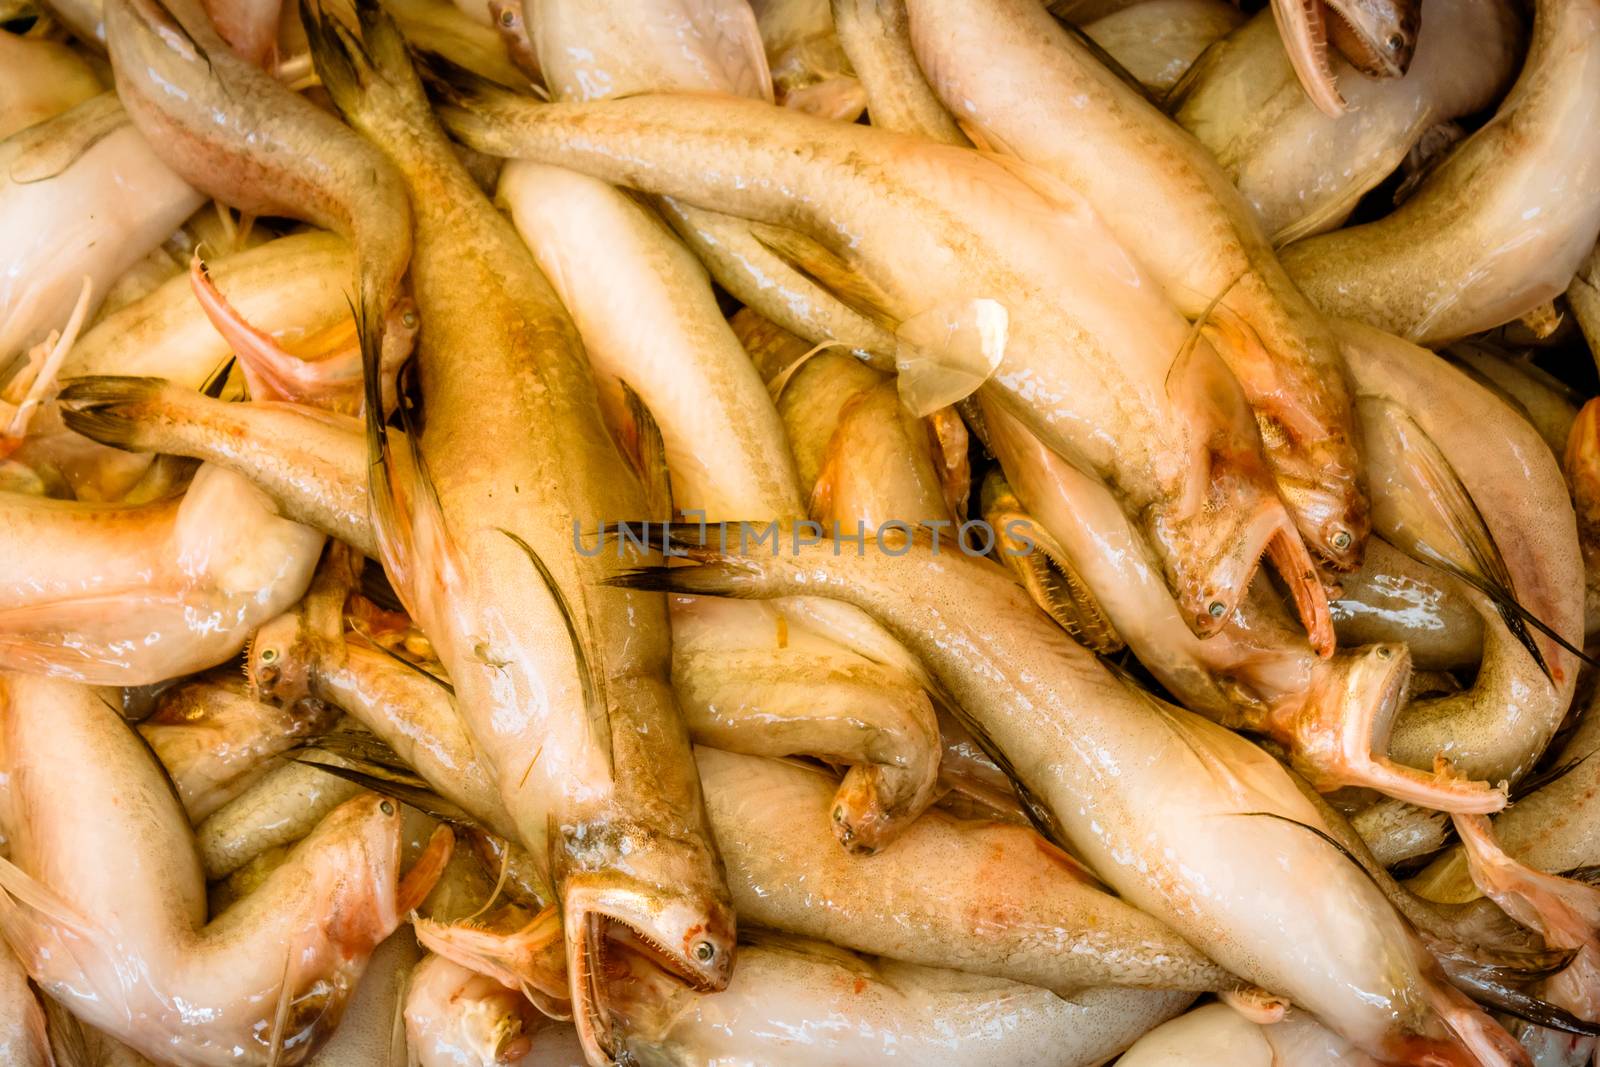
(799, 534)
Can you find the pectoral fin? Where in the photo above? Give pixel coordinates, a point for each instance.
(1428, 513)
(945, 353)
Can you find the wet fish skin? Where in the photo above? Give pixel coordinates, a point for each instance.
(955, 208)
(563, 685)
(237, 133)
(1502, 225)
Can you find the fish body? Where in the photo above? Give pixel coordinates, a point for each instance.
(563, 685)
(1167, 202)
(1303, 171)
(112, 885)
(1505, 221)
(946, 229)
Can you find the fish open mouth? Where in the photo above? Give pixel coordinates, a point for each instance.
(619, 973)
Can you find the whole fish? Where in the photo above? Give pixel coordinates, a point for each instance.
(1184, 818)
(39, 79)
(981, 897)
(775, 825)
(1303, 171)
(223, 739)
(134, 594)
(1502, 225)
(943, 233)
(83, 197)
(236, 132)
(1494, 510)
(111, 884)
(1218, 1036)
(780, 1009)
(1158, 41)
(1168, 203)
(562, 683)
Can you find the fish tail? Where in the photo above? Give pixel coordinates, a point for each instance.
(369, 76)
(123, 412)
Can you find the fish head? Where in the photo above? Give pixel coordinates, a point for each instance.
(1211, 554)
(279, 662)
(1368, 684)
(1325, 491)
(652, 920)
(1378, 37)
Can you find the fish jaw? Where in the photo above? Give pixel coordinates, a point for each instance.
(1338, 736)
(1331, 511)
(1213, 553)
(1305, 39)
(668, 937)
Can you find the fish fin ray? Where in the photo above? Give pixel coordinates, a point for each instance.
(598, 711)
(943, 354)
(820, 264)
(646, 452)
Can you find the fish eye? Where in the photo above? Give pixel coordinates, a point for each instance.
(1385, 653)
(1395, 43)
(705, 951)
(1217, 609)
(409, 318)
(1341, 540)
(269, 655)
(508, 18)
(386, 807)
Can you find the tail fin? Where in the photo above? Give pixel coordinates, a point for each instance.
(369, 77)
(471, 107)
(119, 411)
